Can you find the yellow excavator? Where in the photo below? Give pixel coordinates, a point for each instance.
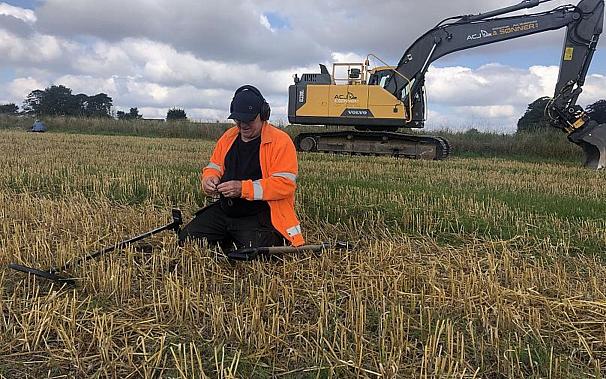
(379, 101)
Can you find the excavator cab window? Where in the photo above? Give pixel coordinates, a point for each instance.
(373, 80)
(384, 80)
(380, 78)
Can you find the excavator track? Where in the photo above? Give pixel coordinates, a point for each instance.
(375, 143)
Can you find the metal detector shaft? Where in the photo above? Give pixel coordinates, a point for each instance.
(53, 274)
(251, 253)
(119, 245)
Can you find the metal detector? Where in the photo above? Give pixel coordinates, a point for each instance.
(252, 253)
(54, 273)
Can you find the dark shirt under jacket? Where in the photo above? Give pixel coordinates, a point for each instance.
(242, 163)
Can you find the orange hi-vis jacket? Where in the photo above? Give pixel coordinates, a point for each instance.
(278, 182)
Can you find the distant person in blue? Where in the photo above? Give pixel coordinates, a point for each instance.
(38, 127)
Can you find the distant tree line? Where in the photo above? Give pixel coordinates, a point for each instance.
(11, 109)
(133, 114)
(173, 114)
(176, 114)
(59, 101)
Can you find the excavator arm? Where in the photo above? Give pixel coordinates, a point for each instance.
(583, 24)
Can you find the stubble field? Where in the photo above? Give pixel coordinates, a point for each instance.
(483, 268)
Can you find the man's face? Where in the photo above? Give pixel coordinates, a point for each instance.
(250, 130)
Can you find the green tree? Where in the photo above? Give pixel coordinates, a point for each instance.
(33, 102)
(53, 101)
(11, 109)
(59, 101)
(597, 111)
(133, 114)
(82, 101)
(174, 114)
(535, 118)
(98, 105)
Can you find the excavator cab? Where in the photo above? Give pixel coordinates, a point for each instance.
(351, 95)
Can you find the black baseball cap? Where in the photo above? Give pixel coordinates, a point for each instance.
(245, 106)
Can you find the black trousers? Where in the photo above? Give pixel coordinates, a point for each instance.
(211, 223)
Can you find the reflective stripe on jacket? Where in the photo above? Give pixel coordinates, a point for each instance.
(278, 182)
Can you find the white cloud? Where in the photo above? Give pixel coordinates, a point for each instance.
(26, 15)
(349, 57)
(541, 81)
(492, 84)
(490, 111)
(265, 22)
(87, 84)
(455, 84)
(19, 88)
(594, 89)
(35, 49)
(103, 59)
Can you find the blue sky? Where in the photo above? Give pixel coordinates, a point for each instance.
(29, 4)
(6, 74)
(193, 53)
(277, 21)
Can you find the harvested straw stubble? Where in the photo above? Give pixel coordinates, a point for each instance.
(471, 267)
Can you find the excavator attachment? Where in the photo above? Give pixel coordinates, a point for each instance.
(592, 139)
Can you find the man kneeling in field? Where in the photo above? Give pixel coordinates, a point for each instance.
(253, 169)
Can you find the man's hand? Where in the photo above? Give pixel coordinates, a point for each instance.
(233, 188)
(209, 185)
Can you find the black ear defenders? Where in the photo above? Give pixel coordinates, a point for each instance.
(265, 109)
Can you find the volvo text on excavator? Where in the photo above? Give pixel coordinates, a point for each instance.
(379, 101)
